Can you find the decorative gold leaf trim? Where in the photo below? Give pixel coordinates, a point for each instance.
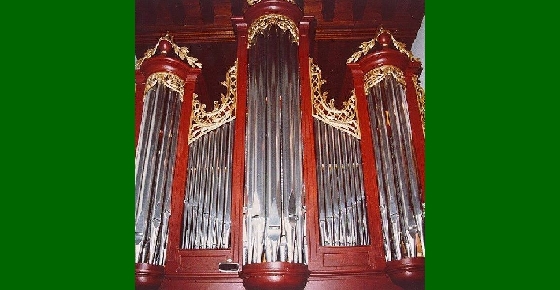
(182, 52)
(203, 122)
(345, 119)
(374, 76)
(253, 2)
(260, 24)
(421, 101)
(170, 80)
(365, 47)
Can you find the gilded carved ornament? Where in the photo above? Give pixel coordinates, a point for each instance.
(202, 121)
(365, 47)
(374, 76)
(262, 23)
(345, 119)
(169, 80)
(421, 100)
(182, 52)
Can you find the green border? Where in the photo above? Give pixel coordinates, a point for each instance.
(68, 119)
(67, 122)
(490, 122)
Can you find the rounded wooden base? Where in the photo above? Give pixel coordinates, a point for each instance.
(148, 276)
(407, 273)
(274, 276)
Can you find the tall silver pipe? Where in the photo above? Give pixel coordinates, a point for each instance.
(379, 112)
(146, 152)
(342, 210)
(227, 185)
(192, 177)
(217, 213)
(362, 205)
(403, 183)
(145, 195)
(383, 201)
(274, 189)
(207, 220)
(321, 188)
(349, 194)
(402, 220)
(154, 163)
(165, 173)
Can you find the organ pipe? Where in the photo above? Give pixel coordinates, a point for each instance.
(206, 221)
(154, 164)
(397, 176)
(274, 215)
(341, 197)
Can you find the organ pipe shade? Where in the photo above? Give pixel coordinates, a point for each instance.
(274, 214)
(397, 176)
(154, 163)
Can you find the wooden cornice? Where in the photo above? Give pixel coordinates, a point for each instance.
(209, 34)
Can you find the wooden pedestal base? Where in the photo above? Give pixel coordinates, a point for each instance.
(407, 273)
(148, 276)
(274, 276)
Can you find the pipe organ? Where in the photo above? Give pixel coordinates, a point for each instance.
(276, 187)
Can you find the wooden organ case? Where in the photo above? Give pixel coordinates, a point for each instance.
(276, 187)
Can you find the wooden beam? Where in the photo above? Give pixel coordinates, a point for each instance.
(328, 10)
(207, 11)
(148, 36)
(177, 11)
(145, 13)
(417, 8)
(236, 7)
(388, 9)
(358, 7)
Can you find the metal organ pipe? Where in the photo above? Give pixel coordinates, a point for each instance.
(342, 210)
(274, 216)
(206, 216)
(401, 212)
(206, 219)
(154, 163)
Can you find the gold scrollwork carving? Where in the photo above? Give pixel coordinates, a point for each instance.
(253, 2)
(260, 24)
(182, 52)
(202, 121)
(421, 101)
(345, 119)
(365, 47)
(169, 80)
(374, 76)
